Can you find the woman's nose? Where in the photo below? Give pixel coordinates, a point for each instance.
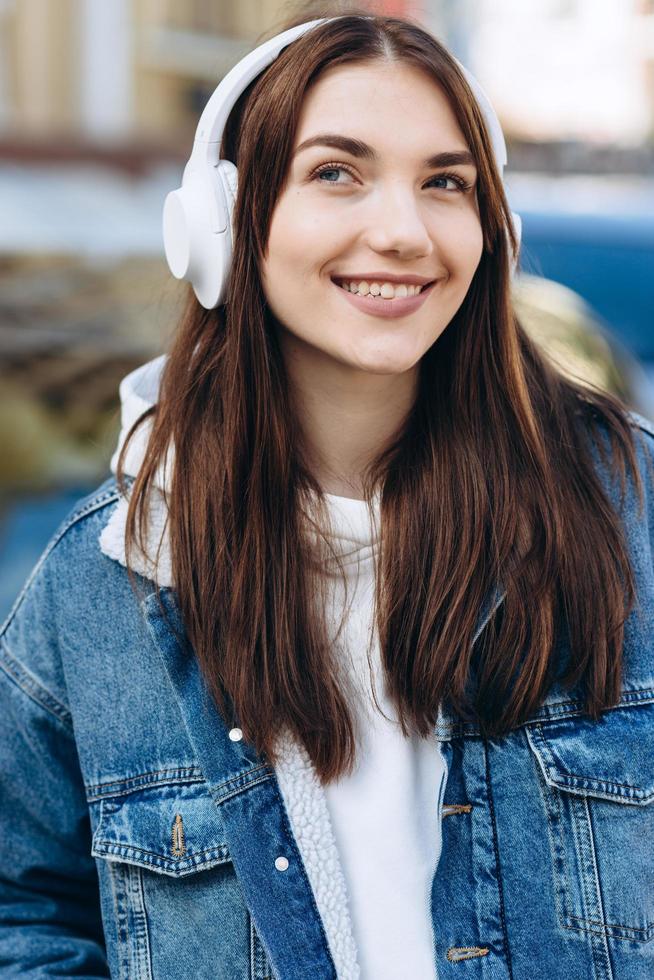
(396, 224)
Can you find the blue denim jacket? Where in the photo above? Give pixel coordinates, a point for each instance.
(141, 839)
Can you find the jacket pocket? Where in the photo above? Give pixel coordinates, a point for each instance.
(172, 891)
(598, 792)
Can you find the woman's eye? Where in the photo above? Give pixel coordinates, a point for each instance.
(459, 182)
(329, 173)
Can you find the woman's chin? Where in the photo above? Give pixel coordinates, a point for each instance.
(382, 362)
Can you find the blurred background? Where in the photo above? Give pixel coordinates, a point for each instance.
(98, 106)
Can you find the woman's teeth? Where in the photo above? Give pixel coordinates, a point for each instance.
(386, 290)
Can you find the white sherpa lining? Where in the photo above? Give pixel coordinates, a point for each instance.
(302, 793)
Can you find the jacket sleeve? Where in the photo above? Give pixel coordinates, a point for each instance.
(50, 921)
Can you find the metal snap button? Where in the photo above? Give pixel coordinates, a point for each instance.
(281, 863)
(236, 734)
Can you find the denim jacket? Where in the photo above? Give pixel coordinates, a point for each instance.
(143, 839)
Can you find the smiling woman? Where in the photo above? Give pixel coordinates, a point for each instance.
(348, 673)
(388, 205)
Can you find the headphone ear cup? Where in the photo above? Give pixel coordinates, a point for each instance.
(197, 228)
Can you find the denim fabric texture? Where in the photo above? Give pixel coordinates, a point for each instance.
(141, 840)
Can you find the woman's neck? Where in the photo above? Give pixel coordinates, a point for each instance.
(347, 417)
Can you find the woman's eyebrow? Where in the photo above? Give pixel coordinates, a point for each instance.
(357, 148)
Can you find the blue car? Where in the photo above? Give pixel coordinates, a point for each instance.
(607, 258)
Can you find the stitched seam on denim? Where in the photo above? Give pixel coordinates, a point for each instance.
(252, 965)
(116, 875)
(183, 774)
(259, 962)
(597, 929)
(131, 950)
(244, 785)
(561, 770)
(551, 805)
(629, 931)
(107, 496)
(118, 850)
(603, 958)
(601, 794)
(500, 889)
(612, 925)
(143, 956)
(32, 688)
(580, 836)
(638, 696)
(548, 712)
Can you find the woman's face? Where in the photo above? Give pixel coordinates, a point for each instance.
(366, 203)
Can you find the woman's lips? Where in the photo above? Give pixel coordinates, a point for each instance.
(376, 306)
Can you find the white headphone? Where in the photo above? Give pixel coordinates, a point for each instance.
(198, 217)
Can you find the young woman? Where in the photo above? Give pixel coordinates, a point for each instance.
(370, 565)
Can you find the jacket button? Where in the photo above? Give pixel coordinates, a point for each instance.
(236, 734)
(281, 863)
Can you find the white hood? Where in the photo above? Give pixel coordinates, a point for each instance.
(303, 796)
(138, 392)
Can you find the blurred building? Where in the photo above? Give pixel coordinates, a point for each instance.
(125, 69)
(116, 71)
(567, 69)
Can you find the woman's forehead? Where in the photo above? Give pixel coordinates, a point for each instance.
(359, 101)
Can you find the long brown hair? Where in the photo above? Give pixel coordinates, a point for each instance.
(489, 480)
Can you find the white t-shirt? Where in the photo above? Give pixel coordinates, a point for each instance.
(384, 816)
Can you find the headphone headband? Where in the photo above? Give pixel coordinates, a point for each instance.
(198, 217)
(215, 114)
